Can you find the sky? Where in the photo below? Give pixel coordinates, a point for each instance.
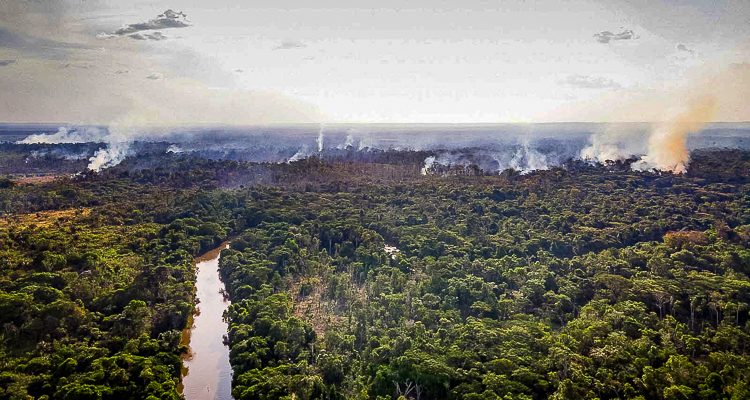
(289, 61)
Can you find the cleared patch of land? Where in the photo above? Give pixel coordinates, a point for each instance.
(44, 218)
(35, 179)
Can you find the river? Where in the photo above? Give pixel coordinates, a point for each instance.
(207, 374)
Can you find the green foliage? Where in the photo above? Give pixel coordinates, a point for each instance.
(584, 282)
(554, 285)
(92, 301)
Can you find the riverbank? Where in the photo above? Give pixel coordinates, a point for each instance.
(206, 373)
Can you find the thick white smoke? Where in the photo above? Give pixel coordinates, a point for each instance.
(117, 138)
(428, 163)
(109, 156)
(122, 134)
(524, 158)
(115, 151)
(301, 154)
(175, 149)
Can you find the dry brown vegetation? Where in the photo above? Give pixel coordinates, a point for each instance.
(44, 219)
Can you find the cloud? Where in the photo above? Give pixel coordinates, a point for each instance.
(290, 45)
(190, 87)
(682, 48)
(168, 19)
(607, 36)
(148, 36)
(170, 100)
(591, 82)
(37, 46)
(5, 63)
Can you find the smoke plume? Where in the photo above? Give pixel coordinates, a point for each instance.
(428, 163)
(348, 143)
(116, 150)
(67, 135)
(319, 141)
(174, 149)
(527, 159)
(667, 145)
(109, 156)
(301, 154)
(616, 142)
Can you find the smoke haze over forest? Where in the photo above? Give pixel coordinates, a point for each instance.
(494, 148)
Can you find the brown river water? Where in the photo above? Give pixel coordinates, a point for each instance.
(207, 374)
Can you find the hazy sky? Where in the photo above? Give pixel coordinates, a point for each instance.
(260, 61)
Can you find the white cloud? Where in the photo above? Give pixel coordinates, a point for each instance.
(168, 19)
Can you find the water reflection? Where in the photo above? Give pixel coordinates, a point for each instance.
(209, 375)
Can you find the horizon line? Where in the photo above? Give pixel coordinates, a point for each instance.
(341, 123)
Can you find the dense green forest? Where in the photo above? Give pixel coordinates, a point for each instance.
(367, 280)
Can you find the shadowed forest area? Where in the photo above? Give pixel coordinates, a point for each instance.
(364, 279)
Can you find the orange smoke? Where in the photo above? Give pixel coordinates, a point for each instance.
(667, 145)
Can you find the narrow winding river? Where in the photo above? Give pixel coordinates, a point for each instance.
(208, 375)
